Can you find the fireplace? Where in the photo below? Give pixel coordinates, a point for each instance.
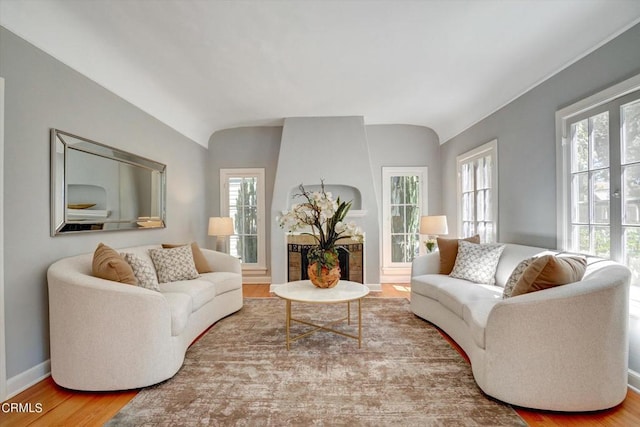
(350, 257)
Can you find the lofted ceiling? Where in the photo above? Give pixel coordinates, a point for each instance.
(204, 65)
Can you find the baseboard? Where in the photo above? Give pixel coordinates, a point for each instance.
(373, 287)
(255, 280)
(26, 379)
(634, 381)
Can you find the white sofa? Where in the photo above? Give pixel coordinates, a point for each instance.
(560, 349)
(107, 335)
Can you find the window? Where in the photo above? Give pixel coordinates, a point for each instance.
(405, 200)
(599, 185)
(478, 192)
(242, 198)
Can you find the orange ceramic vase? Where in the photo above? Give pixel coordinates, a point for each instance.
(326, 279)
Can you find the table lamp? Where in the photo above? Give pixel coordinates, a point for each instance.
(221, 227)
(433, 225)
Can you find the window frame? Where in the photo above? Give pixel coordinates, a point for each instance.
(259, 174)
(489, 148)
(388, 266)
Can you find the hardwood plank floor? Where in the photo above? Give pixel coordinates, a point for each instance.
(61, 407)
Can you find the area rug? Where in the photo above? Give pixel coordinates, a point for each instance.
(241, 374)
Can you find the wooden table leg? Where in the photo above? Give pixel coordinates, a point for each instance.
(288, 322)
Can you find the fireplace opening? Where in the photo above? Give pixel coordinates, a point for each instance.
(350, 256)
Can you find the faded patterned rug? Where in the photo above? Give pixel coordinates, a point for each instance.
(241, 374)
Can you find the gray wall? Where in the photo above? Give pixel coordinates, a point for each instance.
(407, 145)
(247, 147)
(525, 130)
(42, 93)
(389, 145)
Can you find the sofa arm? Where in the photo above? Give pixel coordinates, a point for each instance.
(562, 349)
(219, 261)
(426, 264)
(106, 335)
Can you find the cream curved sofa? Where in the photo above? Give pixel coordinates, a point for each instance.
(106, 335)
(560, 349)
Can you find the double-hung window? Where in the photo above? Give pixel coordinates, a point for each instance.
(242, 197)
(599, 177)
(478, 192)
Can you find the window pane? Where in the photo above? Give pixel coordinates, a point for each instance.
(412, 186)
(580, 238)
(397, 248)
(249, 249)
(397, 190)
(250, 220)
(600, 196)
(487, 171)
(397, 219)
(631, 194)
(480, 205)
(234, 246)
(412, 244)
(488, 214)
(600, 137)
(631, 132)
(580, 198)
(413, 219)
(480, 173)
(579, 146)
(602, 241)
(631, 256)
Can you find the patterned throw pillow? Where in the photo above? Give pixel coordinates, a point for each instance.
(515, 276)
(174, 264)
(143, 271)
(477, 262)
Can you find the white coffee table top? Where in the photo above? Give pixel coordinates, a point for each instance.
(305, 291)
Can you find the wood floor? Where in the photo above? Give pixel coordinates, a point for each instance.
(61, 407)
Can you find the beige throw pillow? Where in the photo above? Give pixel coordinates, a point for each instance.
(198, 257)
(449, 251)
(108, 264)
(174, 264)
(549, 271)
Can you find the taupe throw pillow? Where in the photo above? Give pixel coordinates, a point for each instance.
(549, 271)
(198, 257)
(108, 264)
(449, 251)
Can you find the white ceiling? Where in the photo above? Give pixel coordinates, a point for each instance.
(203, 65)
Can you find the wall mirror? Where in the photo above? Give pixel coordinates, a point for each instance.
(95, 187)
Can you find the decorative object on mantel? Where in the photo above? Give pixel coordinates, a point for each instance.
(220, 227)
(434, 225)
(325, 216)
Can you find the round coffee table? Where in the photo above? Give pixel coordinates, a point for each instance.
(304, 291)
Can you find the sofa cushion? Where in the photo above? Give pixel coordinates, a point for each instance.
(200, 291)
(180, 306)
(143, 270)
(477, 262)
(475, 314)
(549, 271)
(451, 292)
(198, 257)
(108, 264)
(223, 281)
(448, 249)
(174, 264)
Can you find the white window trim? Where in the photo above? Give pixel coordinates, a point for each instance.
(491, 148)
(261, 266)
(396, 268)
(563, 154)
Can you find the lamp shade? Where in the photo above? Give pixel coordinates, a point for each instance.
(220, 226)
(434, 225)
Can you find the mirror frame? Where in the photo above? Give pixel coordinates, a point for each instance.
(61, 224)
